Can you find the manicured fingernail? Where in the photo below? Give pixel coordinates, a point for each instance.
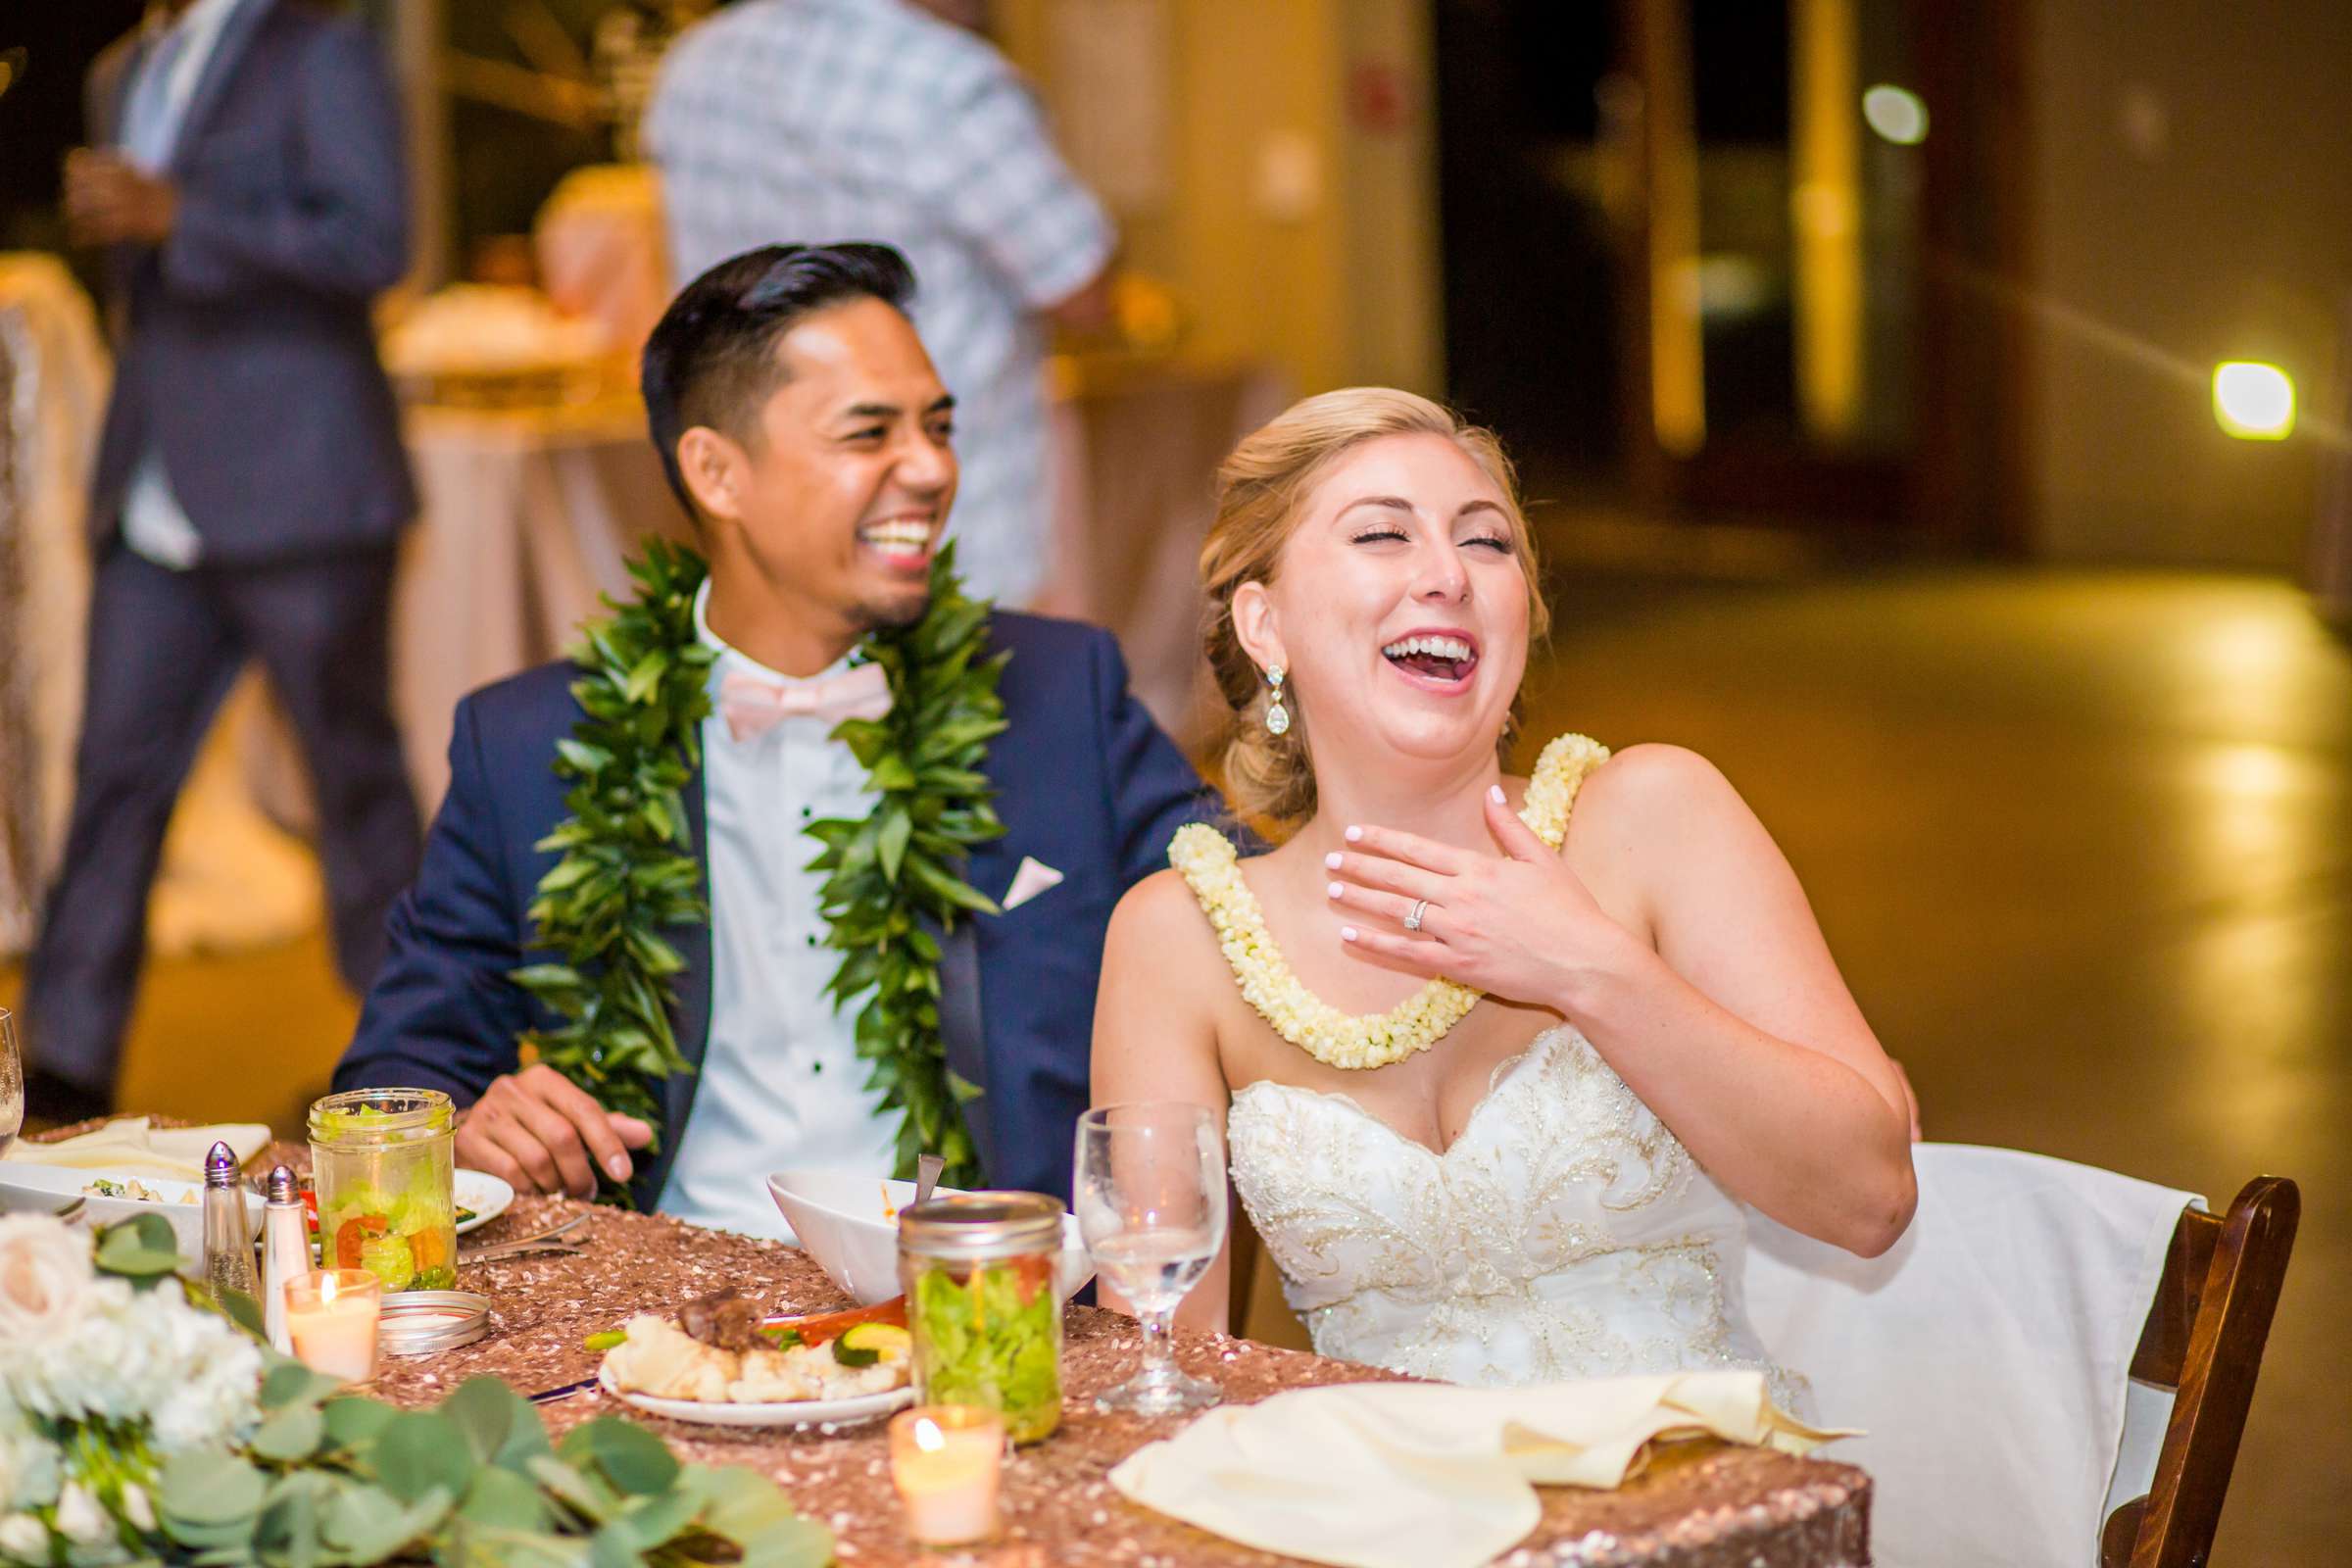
(1332, 860)
(1494, 793)
(1346, 933)
(1332, 889)
(617, 1167)
(1353, 834)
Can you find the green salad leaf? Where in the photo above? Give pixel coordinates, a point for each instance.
(988, 1346)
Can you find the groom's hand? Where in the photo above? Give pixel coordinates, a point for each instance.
(538, 1131)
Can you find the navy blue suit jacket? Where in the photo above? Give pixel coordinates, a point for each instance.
(1086, 783)
(246, 353)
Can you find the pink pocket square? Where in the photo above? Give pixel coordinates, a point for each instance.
(1034, 877)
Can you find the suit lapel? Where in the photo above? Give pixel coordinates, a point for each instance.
(962, 1031)
(227, 50)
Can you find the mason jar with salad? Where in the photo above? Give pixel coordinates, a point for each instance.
(982, 1307)
(383, 1162)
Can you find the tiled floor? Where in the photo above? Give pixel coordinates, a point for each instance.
(2082, 843)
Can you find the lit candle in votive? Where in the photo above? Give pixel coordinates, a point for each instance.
(331, 1317)
(943, 1460)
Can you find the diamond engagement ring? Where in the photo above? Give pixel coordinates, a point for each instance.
(1412, 922)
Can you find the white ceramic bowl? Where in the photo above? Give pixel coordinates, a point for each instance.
(849, 1223)
(43, 1189)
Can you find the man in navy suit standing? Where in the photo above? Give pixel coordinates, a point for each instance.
(247, 183)
(806, 430)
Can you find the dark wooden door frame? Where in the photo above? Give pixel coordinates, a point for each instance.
(1966, 484)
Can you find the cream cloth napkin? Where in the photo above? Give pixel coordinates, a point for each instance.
(1424, 1475)
(131, 1146)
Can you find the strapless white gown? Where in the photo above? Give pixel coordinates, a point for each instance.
(1566, 1233)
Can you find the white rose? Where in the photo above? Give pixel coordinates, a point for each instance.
(23, 1539)
(28, 1462)
(136, 1509)
(45, 1277)
(80, 1517)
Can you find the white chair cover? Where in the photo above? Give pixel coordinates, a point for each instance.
(1987, 1354)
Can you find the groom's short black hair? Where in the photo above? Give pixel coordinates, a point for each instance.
(711, 358)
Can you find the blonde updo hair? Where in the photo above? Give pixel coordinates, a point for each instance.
(1261, 494)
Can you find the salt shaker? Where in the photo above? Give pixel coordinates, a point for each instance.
(285, 1254)
(227, 1242)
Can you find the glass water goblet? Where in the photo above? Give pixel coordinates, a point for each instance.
(1150, 1204)
(12, 1082)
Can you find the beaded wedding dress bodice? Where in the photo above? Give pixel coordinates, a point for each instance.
(1565, 1234)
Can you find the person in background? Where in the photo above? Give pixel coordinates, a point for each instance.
(247, 184)
(783, 119)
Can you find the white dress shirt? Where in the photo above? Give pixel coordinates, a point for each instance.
(154, 525)
(778, 121)
(782, 1085)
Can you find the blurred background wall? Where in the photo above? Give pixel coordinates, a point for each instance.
(2184, 209)
(1651, 239)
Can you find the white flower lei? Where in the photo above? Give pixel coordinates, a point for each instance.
(1357, 1042)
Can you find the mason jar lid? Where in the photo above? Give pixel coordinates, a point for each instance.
(981, 1226)
(362, 1119)
(425, 1322)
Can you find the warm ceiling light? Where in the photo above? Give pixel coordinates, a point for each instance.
(2253, 402)
(1896, 114)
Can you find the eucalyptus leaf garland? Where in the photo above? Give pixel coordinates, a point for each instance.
(628, 873)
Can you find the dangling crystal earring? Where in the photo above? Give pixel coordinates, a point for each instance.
(1278, 718)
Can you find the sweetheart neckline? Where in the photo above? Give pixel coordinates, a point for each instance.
(1507, 1073)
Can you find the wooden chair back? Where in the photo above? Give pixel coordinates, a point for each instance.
(2204, 1340)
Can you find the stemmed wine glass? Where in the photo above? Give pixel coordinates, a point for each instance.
(1151, 1203)
(12, 1082)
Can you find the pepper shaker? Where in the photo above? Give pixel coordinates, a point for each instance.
(227, 1241)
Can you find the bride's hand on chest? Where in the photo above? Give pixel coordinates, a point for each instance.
(1521, 924)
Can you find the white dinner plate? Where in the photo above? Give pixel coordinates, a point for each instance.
(774, 1413)
(35, 1189)
(486, 1194)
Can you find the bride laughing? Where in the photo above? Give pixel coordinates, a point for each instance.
(1505, 1060)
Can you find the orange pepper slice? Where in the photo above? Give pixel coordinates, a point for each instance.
(352, 1234)
(427, 1248)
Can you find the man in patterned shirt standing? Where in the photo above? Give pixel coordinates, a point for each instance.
(788, 120)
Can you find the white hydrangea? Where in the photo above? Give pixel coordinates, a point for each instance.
(23, 1539)
(80, 1517)
(142, 1356)
(27, 1463)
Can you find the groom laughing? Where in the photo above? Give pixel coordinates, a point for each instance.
(805, 744)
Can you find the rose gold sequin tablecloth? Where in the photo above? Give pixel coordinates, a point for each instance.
(1704, 1507)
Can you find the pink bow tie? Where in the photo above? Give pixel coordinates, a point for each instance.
(752, 706)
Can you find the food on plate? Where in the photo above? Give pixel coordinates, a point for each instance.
(818, 1327)
(719, 1352)
(137, 1192)
(727, 1319)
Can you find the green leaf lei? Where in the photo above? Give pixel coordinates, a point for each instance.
(893, 885)
(895, 876)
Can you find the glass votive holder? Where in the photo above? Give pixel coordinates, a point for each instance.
(332, 1316)
(945, 1459)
